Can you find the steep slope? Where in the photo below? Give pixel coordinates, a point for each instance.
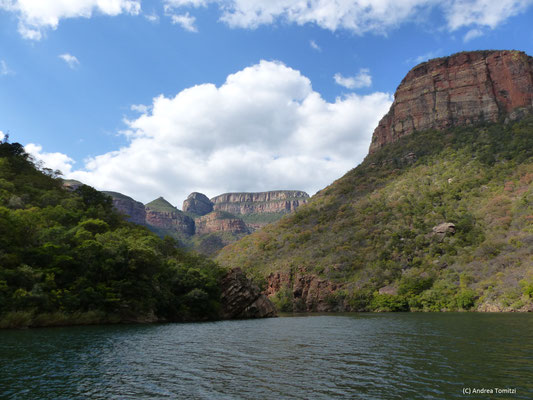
(462, 89)
(431, 220)
(134, 210)
(164, 217)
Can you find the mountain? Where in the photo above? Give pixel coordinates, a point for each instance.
(207, 225)
(67, 257)
(459, 90)
(439, 215)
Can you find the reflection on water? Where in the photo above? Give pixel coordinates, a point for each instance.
(360, 356)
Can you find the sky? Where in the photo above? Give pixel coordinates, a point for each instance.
(166, 97)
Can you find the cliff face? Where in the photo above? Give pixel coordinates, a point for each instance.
(262, 202)
(161, 214)
(127, 206)
(218, 221)
(461, 89)
(197, 203)
(240, 298)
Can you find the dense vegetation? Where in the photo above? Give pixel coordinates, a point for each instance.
(372, 229)
(68, 257)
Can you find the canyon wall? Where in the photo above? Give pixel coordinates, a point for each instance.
(461, 89)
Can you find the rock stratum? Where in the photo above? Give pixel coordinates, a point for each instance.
(279, 201)
(209, 224)
(462, 89)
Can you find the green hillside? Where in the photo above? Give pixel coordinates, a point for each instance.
(161, 205)
(373, 227)
(68, 257)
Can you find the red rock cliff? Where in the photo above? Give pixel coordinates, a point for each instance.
(462, 89)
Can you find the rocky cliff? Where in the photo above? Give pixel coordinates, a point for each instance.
(198, 204)
(262, 202)
(163, 215)
(129, 207)
(240, 298)
(461, 89)
(220, 221)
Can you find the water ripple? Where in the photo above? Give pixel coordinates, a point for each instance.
(357, 356)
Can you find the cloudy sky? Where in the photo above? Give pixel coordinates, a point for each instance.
(167, 97)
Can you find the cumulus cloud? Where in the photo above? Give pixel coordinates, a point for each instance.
(37, 15)
(71, 60)
(265, 128)
(360, 80)
(54, 161)
(359, 16)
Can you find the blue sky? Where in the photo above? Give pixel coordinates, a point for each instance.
(166, 97)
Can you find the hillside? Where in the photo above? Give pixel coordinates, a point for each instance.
(67, 257)
(439, 219)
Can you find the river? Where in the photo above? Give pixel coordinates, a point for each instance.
(346, 356)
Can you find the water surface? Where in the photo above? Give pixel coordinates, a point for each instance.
(349, 356)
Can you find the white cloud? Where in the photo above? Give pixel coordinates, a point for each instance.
(154, 18)
(472, 34)
(185, 21)
(140, 108)
(71, 60)
(2, 136)
(54, 161)
(37, 15)
(359, 16)
(314, 45)
(488, 13)
(263, 129)
(362, 79)
(4, 69)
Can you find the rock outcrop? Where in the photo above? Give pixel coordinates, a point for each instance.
(219, 221)
(309, 292)
(240, 298)
(163, 215)
(461, 89)
(198, 204)
(134, 210)
(262, 202)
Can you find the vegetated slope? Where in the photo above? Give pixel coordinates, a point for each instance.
(67, 257)
(366, 242)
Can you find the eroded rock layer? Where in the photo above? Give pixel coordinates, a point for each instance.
(461, 89)
(219, 221)
(262, 202)
(242, 299)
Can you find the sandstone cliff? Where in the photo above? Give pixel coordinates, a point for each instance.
(198, 204)
(163, 215)
(461, 89)
(262, 202)
(219, 221)
(134, 210)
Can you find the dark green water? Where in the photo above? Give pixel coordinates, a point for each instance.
(351, 356)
